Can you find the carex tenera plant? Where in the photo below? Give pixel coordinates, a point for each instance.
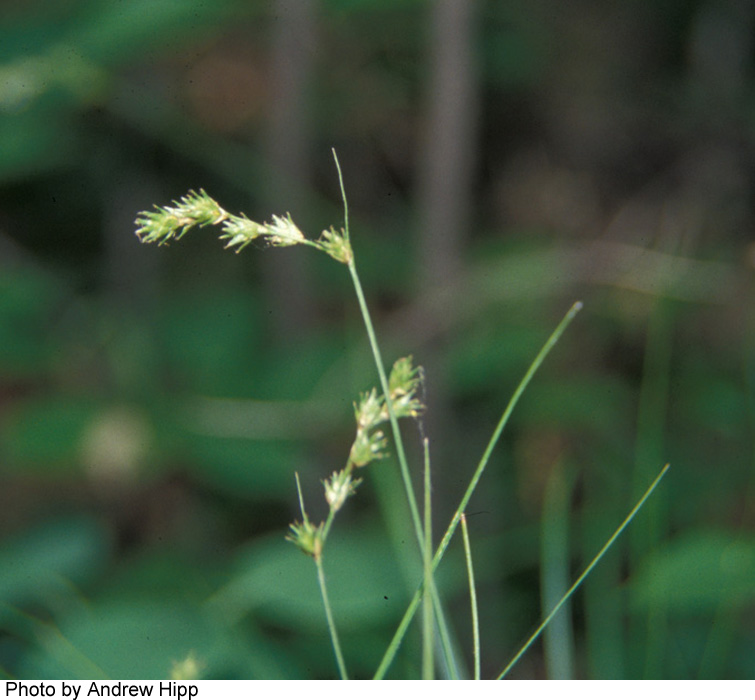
(396, 397)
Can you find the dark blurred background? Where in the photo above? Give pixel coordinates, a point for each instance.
(502, 159)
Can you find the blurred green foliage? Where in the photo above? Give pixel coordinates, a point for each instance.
(153, 411)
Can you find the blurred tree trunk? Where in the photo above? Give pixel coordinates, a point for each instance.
(447, 157)
(288, 151)
(446, 167)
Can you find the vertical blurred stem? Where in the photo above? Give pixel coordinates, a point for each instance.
(558, 638)
(447, 153)
(287, 145)
(446, 163)
(596, 559)
(727, 619)
(651, 426)
(605, 621)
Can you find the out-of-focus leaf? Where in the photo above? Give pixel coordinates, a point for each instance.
(42, 562)
(104, 30)
(715, 402)
(50, 66)
(33, 141)
(116, 30)
(515, 45)
(598, 404)
(26, 303)
(142, 639)
(355, 6)
(279, 582)
(244, 468)
(45, 434)
(485, 355)
(698, 573)
(298, 372)
(213, 342)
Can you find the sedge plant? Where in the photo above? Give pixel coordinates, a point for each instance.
(396, 397)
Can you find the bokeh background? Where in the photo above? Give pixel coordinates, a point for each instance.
(503, 159)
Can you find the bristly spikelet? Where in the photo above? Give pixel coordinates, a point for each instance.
(339, 487)
(334, 243)
(403, 384)
(306, 537)
(165, 224)
(172, 222)
(283, 232)
(369, 410)
(240, 231)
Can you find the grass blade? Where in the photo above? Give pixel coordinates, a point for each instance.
(585, 573)
(412, 609)
(428, 622)
(472, 597)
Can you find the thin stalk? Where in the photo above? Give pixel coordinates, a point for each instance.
(328, 524)
(331, 622)
(549, 344)
(585, 573)
(397, 439)
(412, 609)
(317, 556)
(472, 597)
(343, 197)
(377, 355)
(403, 465)
(428, 624)
(380, 365)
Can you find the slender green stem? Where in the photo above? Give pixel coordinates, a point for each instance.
(585, 573)
(549, 344)
(412, 609)
(343, 197)
(428, 624)
(380, 365)
(403, 466)
(301, 497)
(317, 556)
(400, 453)
(398, 441)
(328, 524)
(472, 597)
(331, 622)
